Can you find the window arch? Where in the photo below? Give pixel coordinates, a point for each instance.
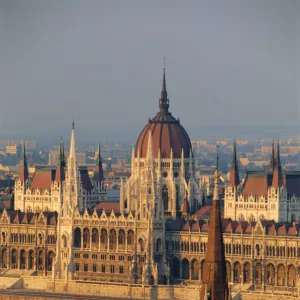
(165, 197)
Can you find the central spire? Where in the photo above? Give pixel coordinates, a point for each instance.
(164, 101)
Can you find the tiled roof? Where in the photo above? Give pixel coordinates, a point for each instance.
(85, 179)
(42, 179)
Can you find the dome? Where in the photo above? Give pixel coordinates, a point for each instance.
(167, 133)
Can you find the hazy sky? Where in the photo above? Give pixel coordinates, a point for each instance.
(100, 62)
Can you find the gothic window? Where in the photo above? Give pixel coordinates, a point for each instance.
(112, 269)
(281, 275)
(103, 238)
(64, 241)
(121, 237)
(130, 237)
(185, 265)
(112, 239)
(95, 236)
(257, 248)
(40, 238)
(270, 274)
(86, 238)
(77, 238)
(86, 267)
(121, 270)
(195, 269)
(165, 197)
(158, 245)
(94, 268)
(77, 267)
(103, 268)
(3, 236)
(149, 190)
(293, 218)
(141, 245)
(177, 197)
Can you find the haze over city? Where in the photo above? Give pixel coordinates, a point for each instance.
(100, 63)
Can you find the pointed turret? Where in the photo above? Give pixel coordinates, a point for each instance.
(72, 180)
(23, 173)
(60, 169)
(149, 148)
(277, 181)
(214, 283)
(185, 207)
(98, 175)
(234, 171)
(272, 159)
(164, 101)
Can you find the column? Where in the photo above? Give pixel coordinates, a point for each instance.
(99, 239)
(8, 258)
(242, 273)
(126, 246)
(276, 279)
(44, 261)
(91, 240)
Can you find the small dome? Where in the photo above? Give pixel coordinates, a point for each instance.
(167, 133)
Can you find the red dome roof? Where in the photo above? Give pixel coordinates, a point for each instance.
(167, 133)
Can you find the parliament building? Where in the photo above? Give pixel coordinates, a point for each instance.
(63, 227)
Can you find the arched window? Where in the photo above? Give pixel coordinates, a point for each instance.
(3, 237)
(95, 236)
(158, 245)
(40, 238)
(64, 241)
(165, 197)
(77, 238)
(86, 238)
(121, 237)
(130, 238)
(293, 218)
(103, 238)
(141, 245)
(257, 248)
(112, 239)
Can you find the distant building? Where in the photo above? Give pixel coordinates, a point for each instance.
(11, 149)
(28, 144)
(54, 157)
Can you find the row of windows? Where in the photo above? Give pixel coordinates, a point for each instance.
(104, 268)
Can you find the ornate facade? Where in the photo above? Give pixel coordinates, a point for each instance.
(272, 195)
(46, 189)
(155, 235)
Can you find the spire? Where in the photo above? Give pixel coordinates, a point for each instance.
(72, 154)
(23, 175)
(164, 101)
(277, 171)
(98, 175)
(234, 171)
(214, 283)
(149, 147)
(272, 160)
(60, 169)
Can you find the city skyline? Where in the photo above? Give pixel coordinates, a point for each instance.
(57, 61)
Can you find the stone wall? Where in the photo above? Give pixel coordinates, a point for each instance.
(104, 289)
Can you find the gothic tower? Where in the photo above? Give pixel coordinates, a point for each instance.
(214, 283)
